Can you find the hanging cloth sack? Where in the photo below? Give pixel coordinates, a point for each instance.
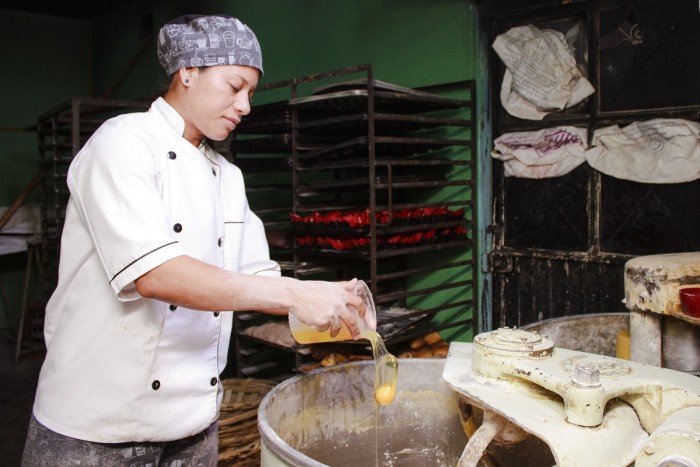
(541, 75)
(545, 153)
(653, 151)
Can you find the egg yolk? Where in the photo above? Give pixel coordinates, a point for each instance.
(384, 394)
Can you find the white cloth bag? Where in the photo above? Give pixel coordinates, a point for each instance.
(541, 74)
(653, 151)
(547, 153)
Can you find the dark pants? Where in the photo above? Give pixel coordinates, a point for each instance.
(45, 447)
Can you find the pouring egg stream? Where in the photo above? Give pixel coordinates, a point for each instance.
(386, 365)
(386, 370)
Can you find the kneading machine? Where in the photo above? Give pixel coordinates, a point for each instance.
(520, 393)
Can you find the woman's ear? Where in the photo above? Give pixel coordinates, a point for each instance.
(185, 75)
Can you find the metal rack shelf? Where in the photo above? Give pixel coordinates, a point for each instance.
(371, 145)
(61, 133)
(397, 102)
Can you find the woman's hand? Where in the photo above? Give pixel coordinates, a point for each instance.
(323, 305)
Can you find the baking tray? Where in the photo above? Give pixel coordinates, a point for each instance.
(355, 100)
(419, 180)
(361, 83)
(279, 143)
(274, 143)
(391, 323)
(417, 163)
(264, 164)
(267, 123)
(385, 146)
(383, 253)
(385, 124)
(273, 122)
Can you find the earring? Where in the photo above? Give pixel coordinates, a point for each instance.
(187, 81)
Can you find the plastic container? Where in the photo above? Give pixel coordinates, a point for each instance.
(304, 334)
(690, 301)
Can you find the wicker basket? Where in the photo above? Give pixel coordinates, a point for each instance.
(239, 440)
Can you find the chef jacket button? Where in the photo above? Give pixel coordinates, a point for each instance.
(221, 241)
(213, 381)
(155, 385)
(173, 307)
(177, 228)
(172, 155)
(216, 313)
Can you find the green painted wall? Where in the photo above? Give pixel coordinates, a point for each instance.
(409, 42)
(412, 43)
(49, 61)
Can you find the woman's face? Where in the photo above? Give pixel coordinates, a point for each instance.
(217, 99)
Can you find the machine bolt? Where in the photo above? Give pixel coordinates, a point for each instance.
(587, 375)
(650, 447)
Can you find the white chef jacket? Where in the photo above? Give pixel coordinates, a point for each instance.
(120, 367)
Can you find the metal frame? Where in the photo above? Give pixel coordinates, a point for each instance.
(505, 257)
(61, 133)
(308, 121)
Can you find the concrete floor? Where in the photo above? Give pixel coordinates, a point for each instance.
(17, 388)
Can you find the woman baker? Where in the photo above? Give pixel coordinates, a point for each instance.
(159, 246)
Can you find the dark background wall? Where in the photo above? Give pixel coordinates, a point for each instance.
(49, 59)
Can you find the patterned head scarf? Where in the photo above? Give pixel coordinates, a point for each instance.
(197, 40)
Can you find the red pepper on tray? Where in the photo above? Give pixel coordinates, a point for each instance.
(457, 213)
(305, 240)
(358, 219)
(395, 239)
(361, 218)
